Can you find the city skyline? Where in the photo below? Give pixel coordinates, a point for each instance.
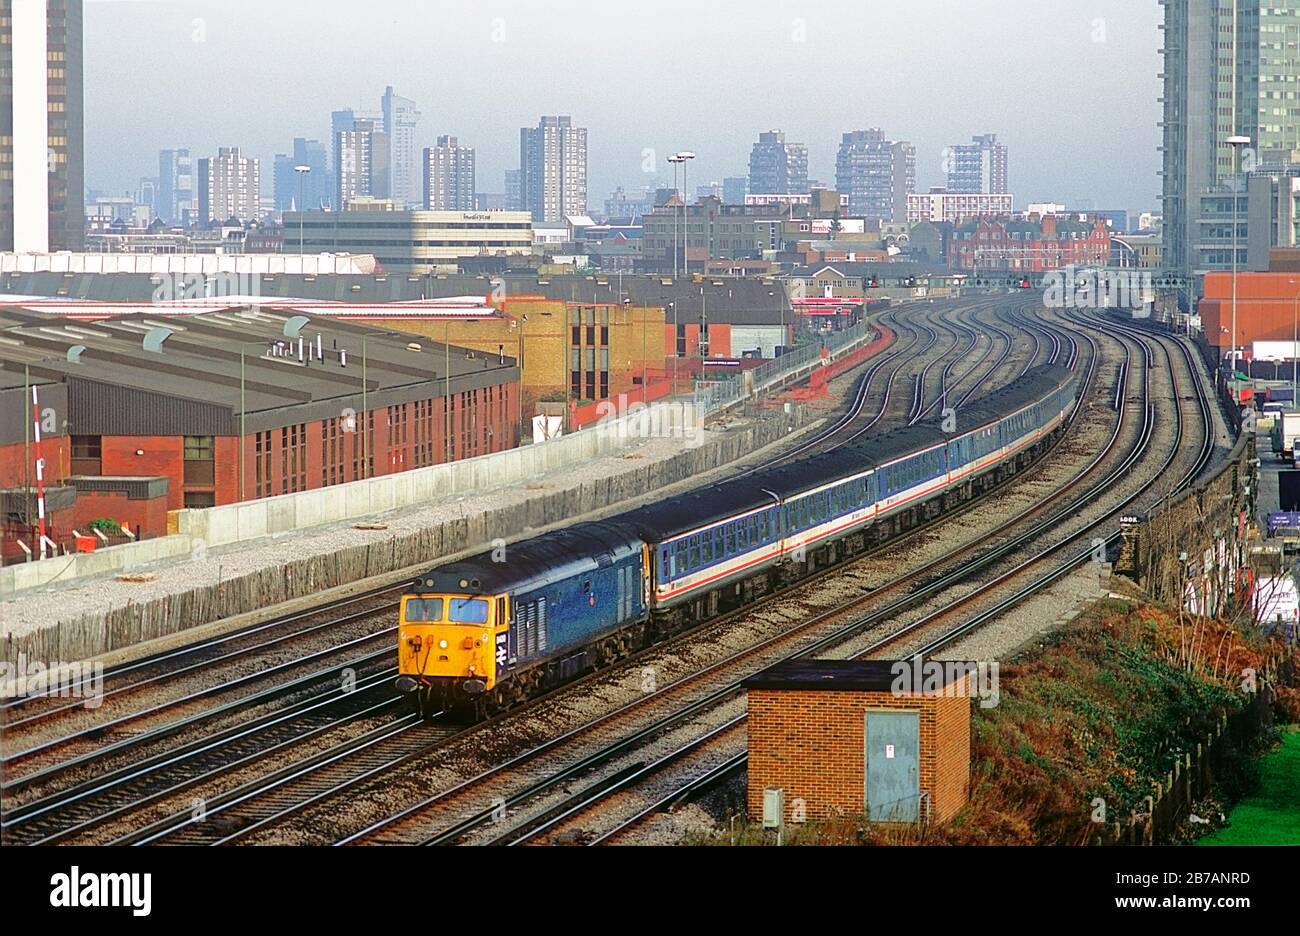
(1111, 47)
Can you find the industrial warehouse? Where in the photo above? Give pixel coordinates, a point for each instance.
(152, 416)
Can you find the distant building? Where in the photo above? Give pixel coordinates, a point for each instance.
(230, 186)
(621, 204)
(1230, 69)
(489, 201)
(804, 202)
(711, 231)
(176, 187)
(1137, 250)
(400, 120)
(553, 169)
(361, 154)
(1029, 246)
(449, 176)
(940, 205)
(927, 241)
(978, 167)
(777, 167)
(42, 158)
(1117, 218)
(514, 194)
(711, 190)
(413, 241)
(734, 190)
(147, 195)
(315, 186)
(876, 174)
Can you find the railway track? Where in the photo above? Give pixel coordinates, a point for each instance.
(702, 775)
(731, 762)
(203, 763)
(860, 418)
(385, 828)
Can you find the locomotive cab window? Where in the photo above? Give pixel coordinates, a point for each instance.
(423, 609)
(467, 611)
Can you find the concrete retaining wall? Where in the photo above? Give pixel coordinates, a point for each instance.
(115, 628)
(115, 559)
(288, 513)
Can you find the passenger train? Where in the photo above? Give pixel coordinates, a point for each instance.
(498, 628)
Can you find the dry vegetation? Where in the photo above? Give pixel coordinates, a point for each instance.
(1101, 712)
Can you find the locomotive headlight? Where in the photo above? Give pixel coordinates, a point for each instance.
(442, 645)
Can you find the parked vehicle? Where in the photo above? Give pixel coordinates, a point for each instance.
(1286, 427)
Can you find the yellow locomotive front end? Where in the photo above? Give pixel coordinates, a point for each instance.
(448, 647)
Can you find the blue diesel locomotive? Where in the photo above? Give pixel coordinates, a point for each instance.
(499, 627)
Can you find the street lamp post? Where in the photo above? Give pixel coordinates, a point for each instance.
(365, 410)
(1295, 359)
(302, 174)
(1236, 142)
(243, 418)
(783, 334)
(519, 394)
(685, 156)
(446, 348)
(673, 306)
(676, 161)
(366, 454)
(645, 353)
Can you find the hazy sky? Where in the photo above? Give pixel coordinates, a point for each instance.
(1069, 85)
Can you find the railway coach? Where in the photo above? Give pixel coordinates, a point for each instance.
(502, 626)
(727, 544)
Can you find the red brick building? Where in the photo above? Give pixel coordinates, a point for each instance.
(1031, 246)
(1268, 308)
(233, 406)
(840, 740)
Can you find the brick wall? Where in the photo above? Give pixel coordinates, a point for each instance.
(160, 455)
(811, 744)
(145, 517)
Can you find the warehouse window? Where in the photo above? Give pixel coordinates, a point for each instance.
(198, 448)
(198, 460)
(200, 499)
(87, 455)
(262, 461)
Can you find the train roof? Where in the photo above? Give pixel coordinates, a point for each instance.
(528, 563)
(672, 517)
(1033, 386)
(700, 506)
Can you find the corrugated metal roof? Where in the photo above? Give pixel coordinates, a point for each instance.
(192, 385)
(745, 301)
